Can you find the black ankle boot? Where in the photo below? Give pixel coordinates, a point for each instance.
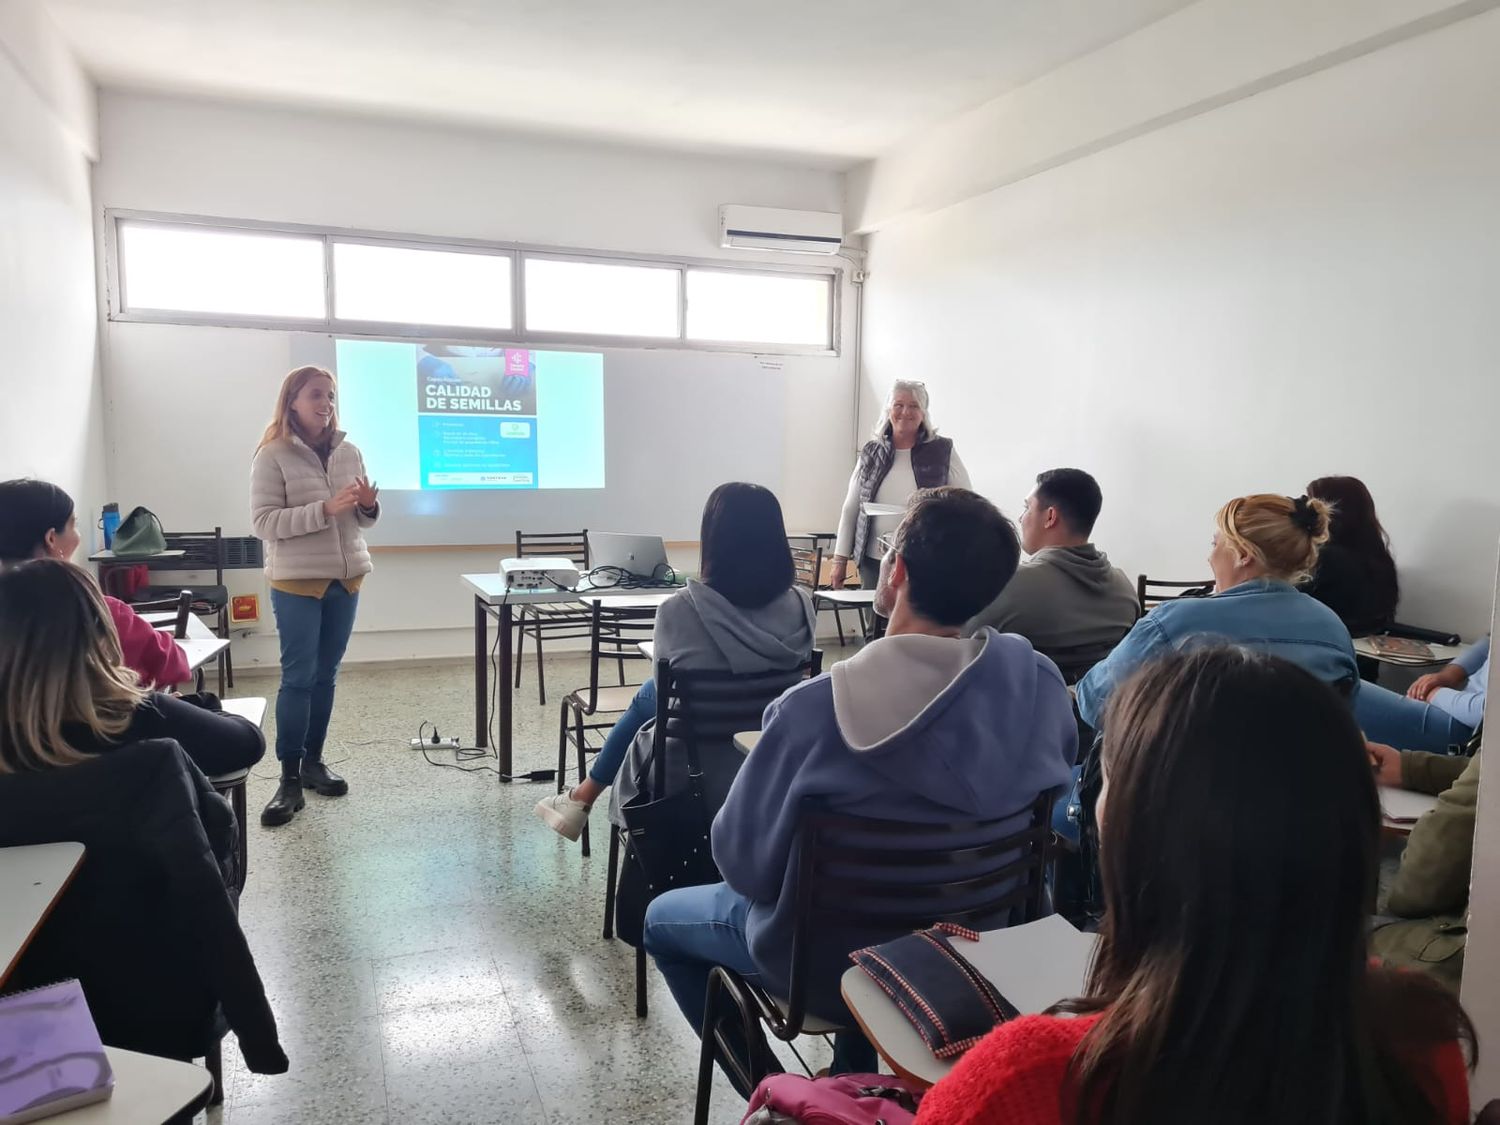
(321, 779)
(285, 804)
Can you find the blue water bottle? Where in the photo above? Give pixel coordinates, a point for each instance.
(110, 522)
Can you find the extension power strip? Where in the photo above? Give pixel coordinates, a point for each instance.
(439, 744)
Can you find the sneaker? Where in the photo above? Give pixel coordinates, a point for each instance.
(563, 815)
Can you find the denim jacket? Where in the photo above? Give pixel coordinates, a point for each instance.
(1263, 614)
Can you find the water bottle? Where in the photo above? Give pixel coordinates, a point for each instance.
(110, 522)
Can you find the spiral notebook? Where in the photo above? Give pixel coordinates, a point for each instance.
(51, 1059)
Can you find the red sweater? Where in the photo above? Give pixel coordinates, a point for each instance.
(1015, 1076)
(151, 653)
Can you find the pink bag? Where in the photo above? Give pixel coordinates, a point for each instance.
(844, 1099)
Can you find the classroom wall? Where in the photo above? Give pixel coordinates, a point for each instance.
(188, 403)
(1300, 281)
(51, 425)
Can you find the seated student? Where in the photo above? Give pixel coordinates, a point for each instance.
(924, 726)
(1442, 709)
(1231, 982)
(1263, 544)
(37, 521)
(1355, 576)
(743, 615)
(65, 692)
(1422, 922)
(1066, 599)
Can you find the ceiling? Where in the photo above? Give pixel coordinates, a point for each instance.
(827, 82)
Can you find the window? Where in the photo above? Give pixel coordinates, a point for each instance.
(183, 269)
(202, 270)
(757, 308)
(599, 299)
(406, 286)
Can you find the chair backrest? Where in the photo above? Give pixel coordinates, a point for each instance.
(572, 545)
(807, 564)
(202, 550)
(615, 634)
(705, 709)
(1151, 592)
(886, 875)
(182, 604)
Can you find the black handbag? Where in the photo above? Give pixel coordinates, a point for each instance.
(666, 844)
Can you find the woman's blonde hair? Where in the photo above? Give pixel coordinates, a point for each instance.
(60, 664)
(291, 387)
(1281, 533)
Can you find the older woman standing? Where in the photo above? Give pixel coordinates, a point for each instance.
(904, 454)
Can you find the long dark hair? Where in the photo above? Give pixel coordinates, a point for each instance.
(1356, 528)
(28, 510)
(745, 553)
(1239, 849)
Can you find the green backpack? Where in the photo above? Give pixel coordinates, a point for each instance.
(139, 535)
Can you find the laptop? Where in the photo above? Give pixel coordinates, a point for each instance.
(645, 555)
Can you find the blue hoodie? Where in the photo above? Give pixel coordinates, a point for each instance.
(916, 728)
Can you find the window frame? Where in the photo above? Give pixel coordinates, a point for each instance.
(517, 335)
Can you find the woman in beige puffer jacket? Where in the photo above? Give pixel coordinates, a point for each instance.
(310, 501)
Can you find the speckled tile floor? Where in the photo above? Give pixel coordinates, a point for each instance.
(432, 952)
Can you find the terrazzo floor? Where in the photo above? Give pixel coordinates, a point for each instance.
(432, 952)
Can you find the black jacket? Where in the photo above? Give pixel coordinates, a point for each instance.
(216, 742)
(147, 924)
(1357, 588)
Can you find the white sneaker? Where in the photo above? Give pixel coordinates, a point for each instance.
(563, 815)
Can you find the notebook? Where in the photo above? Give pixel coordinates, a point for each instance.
(51, 1059)
(1403, 647)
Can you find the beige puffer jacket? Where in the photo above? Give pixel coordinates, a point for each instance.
(288, 485)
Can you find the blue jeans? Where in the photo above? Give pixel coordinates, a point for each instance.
(1407, 724)
(314, 633)
(692, 929)
(617, 743)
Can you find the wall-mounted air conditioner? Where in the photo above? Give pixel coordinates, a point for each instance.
(775, 228)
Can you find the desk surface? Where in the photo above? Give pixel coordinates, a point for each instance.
(32, 878)
(747, 741)
(1034, 966)
(491, 588)
(252, 707)
(1441, 654)
(110, 556)
(846, 597)
(148, 1091)
(200, 645)
(1402, 808)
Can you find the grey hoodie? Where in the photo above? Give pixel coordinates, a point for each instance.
(701, 630)
(1069, 603)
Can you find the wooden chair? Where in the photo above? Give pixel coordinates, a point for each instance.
(897, 886)
(698, 712)
(1152, 592)
(615, 633)
(557, 621)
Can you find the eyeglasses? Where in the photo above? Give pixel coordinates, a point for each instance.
(887, 544)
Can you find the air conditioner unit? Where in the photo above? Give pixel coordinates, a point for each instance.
(775, 228)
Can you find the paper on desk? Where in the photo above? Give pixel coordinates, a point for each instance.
(872, 509)
(1404, 806)
(1033, 965)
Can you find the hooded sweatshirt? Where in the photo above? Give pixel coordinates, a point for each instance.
(700, 630)
(1068, 602)
(921, 729)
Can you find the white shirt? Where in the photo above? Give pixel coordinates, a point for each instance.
(897, 488)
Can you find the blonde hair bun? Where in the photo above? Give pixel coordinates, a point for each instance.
(1283, 533)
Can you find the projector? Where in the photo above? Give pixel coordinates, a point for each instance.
(536, 572)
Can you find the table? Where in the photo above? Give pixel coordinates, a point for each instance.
(1033, 966)
(1402, 808)
(148, 1091)
(32, 879)
(1441, 654)
(200, 646)
(126, 560)
(747, 741)
(648, 650)
(491, 598)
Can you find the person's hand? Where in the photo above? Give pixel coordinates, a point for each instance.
(1450, 677)
(840, 573)
(341, 501)
(368, 493)
(1386, 762)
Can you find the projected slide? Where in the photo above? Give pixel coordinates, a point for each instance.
(445, 416)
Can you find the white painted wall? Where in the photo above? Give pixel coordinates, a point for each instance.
(51, 421)
(1298, 283)
(186, 404)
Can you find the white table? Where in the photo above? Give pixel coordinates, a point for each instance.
(32, 879)
(747, 741)
(1441, 654)
(126, 560)
(1402, 808)
(200, 646)
(491, 598)
(252, 707)
(148, 1091)
(1033, 966)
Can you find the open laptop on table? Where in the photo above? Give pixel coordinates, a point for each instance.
(642, 555)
